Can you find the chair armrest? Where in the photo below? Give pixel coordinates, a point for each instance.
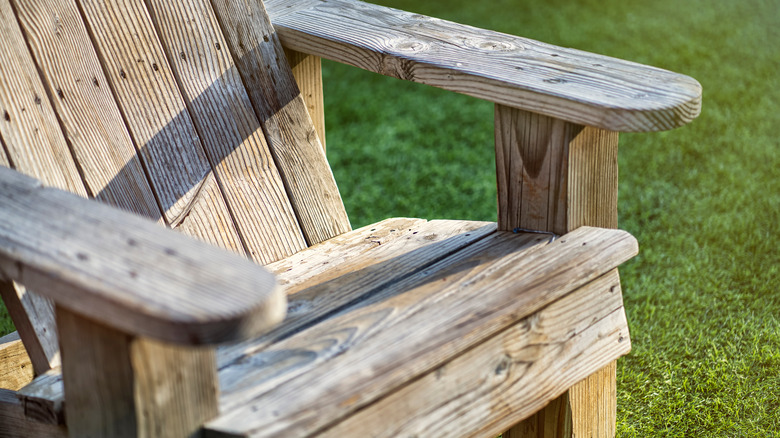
(567, 84)
(127, 272)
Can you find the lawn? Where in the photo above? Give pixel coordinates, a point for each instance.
(704, 200)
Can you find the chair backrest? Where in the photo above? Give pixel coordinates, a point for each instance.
(184, 112)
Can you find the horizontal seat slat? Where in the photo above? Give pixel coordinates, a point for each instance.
(303, 383)
(568, 84)
(345, 253)
(504, 380)
(420, 242)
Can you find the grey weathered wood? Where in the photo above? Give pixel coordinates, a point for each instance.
(85, 106)
(359, 356)
(568, 84)
(510, 376)
(3, 156)
(159, 123)
(229, 128)
(350, 267)
(288, 127)
(43, 399)
(28, 126)
(423, 242)
(112, 266)
(30, 135)
(33, 317)
(15, 424)
(118, 385)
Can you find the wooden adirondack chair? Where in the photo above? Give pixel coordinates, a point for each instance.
(188, 114)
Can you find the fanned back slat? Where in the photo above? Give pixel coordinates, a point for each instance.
(158, 120)
(28, 126)
(287, 124)
(229, 129)
(86, 108)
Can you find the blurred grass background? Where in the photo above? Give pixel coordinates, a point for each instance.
(704, 200)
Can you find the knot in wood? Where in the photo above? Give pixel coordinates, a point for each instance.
(491, 45)
(410, 46)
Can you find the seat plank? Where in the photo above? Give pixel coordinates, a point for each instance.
(568, 84)
(359, 356)
(395, 248)
(229, 128)
(349, 252)
(287, 124)
(511, 376)
(159, 122)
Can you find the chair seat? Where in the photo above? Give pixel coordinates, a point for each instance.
(420, 325)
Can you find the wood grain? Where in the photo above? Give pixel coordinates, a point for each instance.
(228, 127)
(307, 70)
(492, 386)
(16, 370)
(568, 84)
(341, 272)
(357, 357)
(3, 156)
(556, 176)
(29, 129)
(43, 399)
(282, 112)
(111, 266)
(14, 423)
(159, 123)
(552, 175)
(594, 403)
(124, 386)
(33, 317)
(34, 143)
(425, 241)
(85, 106)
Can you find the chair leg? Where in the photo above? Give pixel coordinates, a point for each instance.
(587, 410)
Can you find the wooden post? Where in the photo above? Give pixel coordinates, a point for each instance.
(307, 70)
(118, 385)
(556, 176)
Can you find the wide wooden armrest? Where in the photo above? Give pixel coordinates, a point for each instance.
(567, 84)
(127, 272)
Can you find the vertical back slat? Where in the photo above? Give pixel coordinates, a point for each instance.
(259, 56)
(86, 108)
(158, 121)
(229, 129)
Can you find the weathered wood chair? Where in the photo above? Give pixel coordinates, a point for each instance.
(188, 114)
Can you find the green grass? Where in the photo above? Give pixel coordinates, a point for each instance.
(704, 200)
